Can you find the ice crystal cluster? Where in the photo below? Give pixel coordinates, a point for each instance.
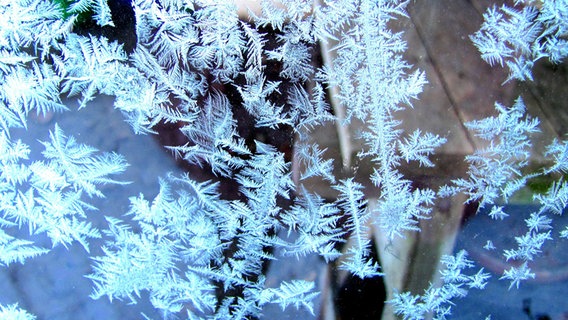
(198, 253)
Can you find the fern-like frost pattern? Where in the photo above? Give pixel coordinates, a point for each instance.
(193, 250)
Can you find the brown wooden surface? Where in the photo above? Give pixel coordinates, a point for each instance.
(461, 87)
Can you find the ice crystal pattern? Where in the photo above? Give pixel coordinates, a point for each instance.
(196, 252)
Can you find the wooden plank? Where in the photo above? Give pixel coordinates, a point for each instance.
(482, 5)
(545, 98)
(550, 90)
(433, 112)
(470, 83)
